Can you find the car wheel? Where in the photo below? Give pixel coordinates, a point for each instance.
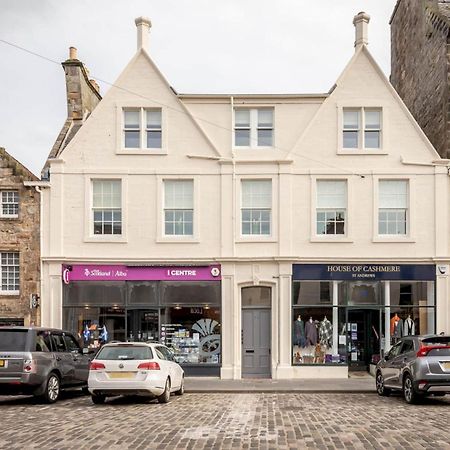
(85, 390)
(165, 396)
(52, 389)
(410, 394)
(181, 390)
(98, 399)
(381, 389)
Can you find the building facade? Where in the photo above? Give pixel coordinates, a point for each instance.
(420, 59)
(19, 244)
(288, 236)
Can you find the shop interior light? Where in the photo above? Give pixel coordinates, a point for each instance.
(206, 307)
(177, 307)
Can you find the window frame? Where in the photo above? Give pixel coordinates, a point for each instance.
(241, 209)
(7, 292)
(165, 209)
(89, 235)
(111, 209)
(334, 210)
(2, 203)
(363, 106)
(410, 236)
(253, 127)
(120, 128)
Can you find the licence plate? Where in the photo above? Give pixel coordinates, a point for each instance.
(446, 365)
(3, 363)
(121, 374)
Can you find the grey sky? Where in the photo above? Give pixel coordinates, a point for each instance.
(209, 46)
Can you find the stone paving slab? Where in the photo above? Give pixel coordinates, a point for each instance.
(355, 385)
(281, 421)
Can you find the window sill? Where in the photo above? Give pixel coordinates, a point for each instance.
(328, 239)
(141, 151)
(9, 293)
(396, 239)
(253, 148)
(255, 239)
(177, 240)
(361, 151)
(9, 217)
(106, 239)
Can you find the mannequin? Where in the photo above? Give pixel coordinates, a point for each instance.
(299, 332)
(396, 327)
(408, 326)
(311, 332)
(326, 332)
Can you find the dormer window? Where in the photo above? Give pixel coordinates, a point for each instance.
(142, 128)
(361, 128)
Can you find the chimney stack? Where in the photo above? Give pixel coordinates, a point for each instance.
(143, 26)
(72, 53)
(361, 22)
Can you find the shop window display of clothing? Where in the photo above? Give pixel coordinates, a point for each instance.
(408, 326)
(299, 332)
(396, 328)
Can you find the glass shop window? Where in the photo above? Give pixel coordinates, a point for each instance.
(411, 321)
(313, 293)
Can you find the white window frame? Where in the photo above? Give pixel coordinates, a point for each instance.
(361, 107)
(253, 111)
(2, 268)
(333, 209)
(409, 237)
(162, 238)
(338, 238)
(242, 208)
(9, 191)
(166, 209)
(89, 235)
(120, 129)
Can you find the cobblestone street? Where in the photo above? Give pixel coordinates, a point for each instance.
(224, 421)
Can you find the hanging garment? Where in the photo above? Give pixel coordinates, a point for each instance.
(326, 333)
(311, 333)
(398, 329)
(408, 327)
(299, 333)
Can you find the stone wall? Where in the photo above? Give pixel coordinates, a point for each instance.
(419, 66)
(21, 235)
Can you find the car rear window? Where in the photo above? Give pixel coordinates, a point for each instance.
(125, 352)
(13, 340)
(436, 340)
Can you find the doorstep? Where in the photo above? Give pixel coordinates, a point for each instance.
(352, 385)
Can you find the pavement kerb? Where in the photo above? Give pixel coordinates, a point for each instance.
(277, 391)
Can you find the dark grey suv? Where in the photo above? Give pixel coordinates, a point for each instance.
(416, 365)
(40, 362)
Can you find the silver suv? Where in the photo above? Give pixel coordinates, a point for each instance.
(40, 362)
(416, 365)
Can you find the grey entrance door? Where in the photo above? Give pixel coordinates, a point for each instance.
(256, 342)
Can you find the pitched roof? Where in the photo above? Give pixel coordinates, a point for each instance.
(18, 168)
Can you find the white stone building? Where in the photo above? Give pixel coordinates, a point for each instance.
(258, 235)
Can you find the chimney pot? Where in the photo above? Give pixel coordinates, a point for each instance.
(143, 26)
(361, 22)
(72, 53)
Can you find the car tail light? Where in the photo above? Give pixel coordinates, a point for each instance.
(423, 351)
(29, 366)
(94, 365)
(152, 365)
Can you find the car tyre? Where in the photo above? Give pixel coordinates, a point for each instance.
(381, 389)
(181, 390)
(52, 389)
(98, 399)
(409, 393)
(165, 396)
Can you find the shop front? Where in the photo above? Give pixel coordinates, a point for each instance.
(349, 315)
(179, 306)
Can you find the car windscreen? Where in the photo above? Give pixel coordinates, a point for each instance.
(13, 340)
(436, 340)
(124, 352)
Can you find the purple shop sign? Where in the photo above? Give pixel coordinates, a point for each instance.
(91, 272)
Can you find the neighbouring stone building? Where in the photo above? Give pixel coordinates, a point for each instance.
(420, 65)
(270, 235)
(19, 243)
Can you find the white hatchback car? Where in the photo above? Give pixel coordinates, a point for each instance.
(134, 368)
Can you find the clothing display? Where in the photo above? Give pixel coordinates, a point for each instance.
(408, 327)
(311, 332)
(299, 333)
(396, 327)
(326, 332)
